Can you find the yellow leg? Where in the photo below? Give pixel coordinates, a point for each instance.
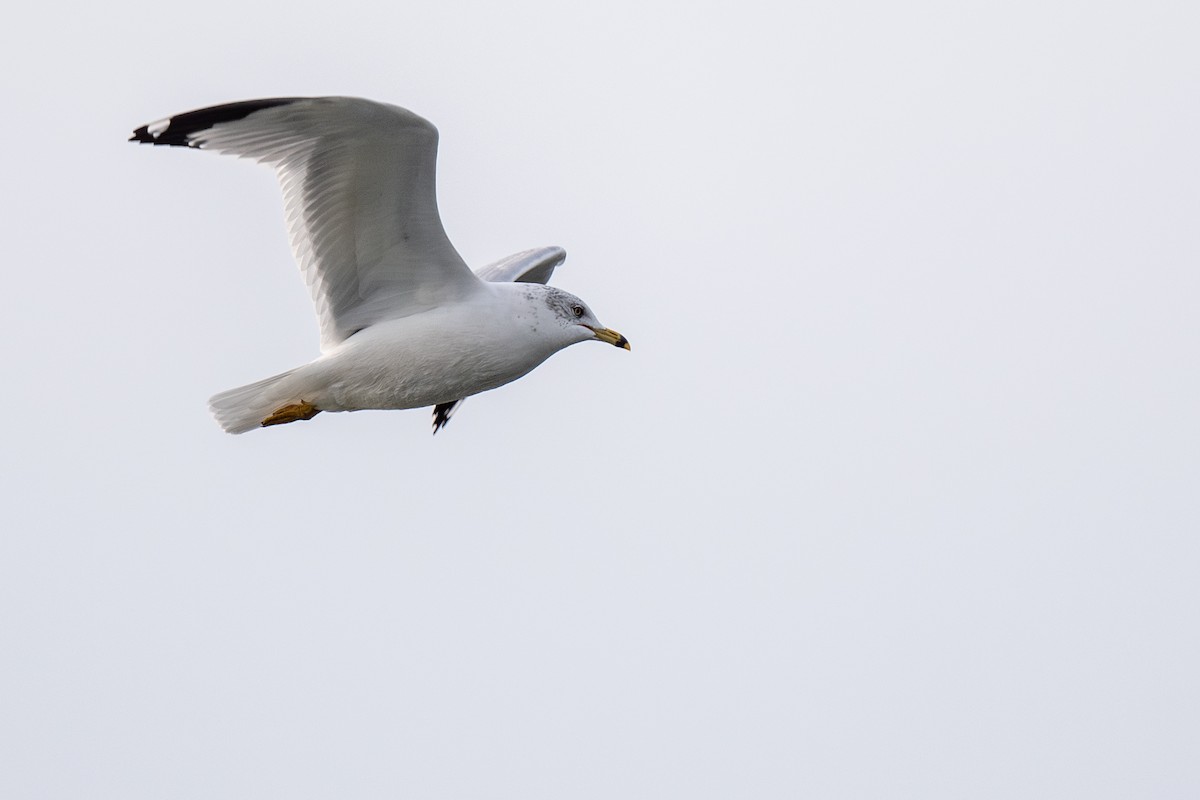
(292, 413)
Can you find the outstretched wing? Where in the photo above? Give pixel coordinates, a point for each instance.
(527, 266)
(358, 182)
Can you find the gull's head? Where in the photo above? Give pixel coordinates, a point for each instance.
(575, 320)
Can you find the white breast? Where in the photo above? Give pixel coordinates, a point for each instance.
(437, 356)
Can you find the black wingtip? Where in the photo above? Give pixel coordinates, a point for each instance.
(178, 130)
(442, 413)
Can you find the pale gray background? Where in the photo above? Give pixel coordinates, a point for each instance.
(896, 495)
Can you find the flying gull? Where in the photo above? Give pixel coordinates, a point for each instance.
(404, 322)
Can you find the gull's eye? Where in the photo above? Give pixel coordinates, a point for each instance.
(577, 311)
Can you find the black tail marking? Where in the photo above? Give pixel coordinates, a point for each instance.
(181, 126)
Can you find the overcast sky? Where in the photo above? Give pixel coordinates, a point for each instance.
(896, 495)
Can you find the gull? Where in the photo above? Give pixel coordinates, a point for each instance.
(404, 321)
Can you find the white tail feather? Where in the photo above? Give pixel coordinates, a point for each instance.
(244, 408)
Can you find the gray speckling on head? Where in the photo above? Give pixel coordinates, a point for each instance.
(561, 303)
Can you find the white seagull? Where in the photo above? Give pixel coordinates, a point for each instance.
(404, 321)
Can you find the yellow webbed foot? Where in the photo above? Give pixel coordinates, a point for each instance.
(292, 413)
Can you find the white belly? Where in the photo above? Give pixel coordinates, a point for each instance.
(425, 359)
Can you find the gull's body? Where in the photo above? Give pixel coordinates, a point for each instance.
(404, 322)
(429, 358)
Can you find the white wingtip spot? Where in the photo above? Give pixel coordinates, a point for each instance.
(155, 129)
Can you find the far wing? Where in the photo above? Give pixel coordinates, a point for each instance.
(358, 182)
(527, 266)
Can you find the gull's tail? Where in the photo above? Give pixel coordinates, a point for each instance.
(270, 401)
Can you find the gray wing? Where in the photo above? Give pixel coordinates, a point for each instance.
(359, 191)
(527, 266)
